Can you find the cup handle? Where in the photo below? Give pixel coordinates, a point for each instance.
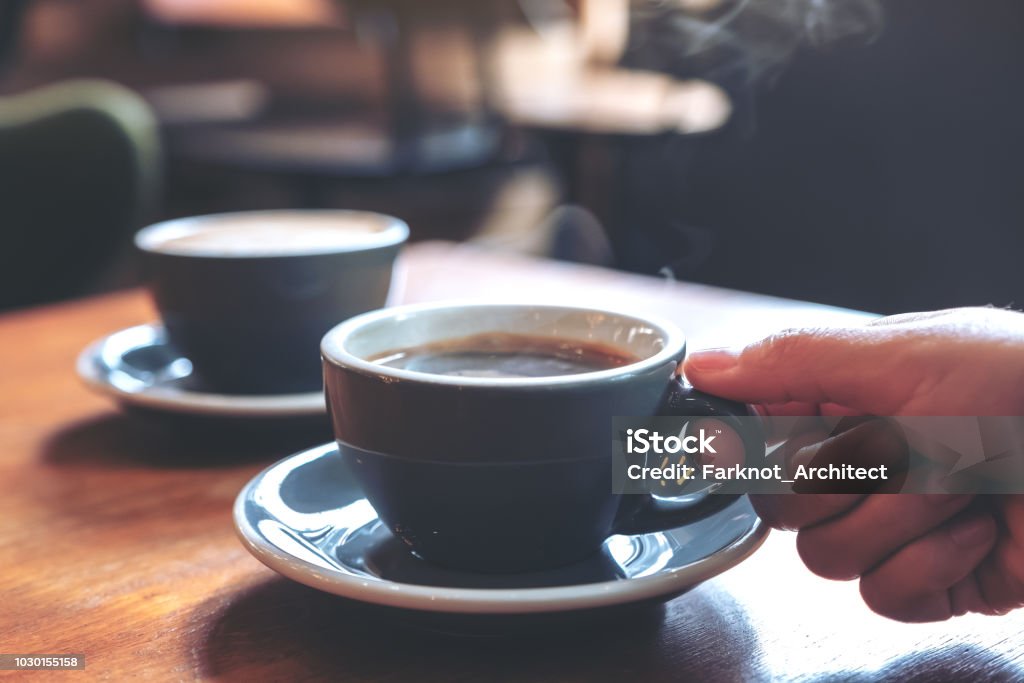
(648, 513)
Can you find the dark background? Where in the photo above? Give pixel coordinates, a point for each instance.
(880, 174)
(885, 177)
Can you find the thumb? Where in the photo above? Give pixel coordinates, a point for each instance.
(867, 369)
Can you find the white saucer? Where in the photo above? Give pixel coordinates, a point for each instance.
(137, 367)
(306, 518)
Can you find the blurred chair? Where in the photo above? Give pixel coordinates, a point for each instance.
(79, 171)
(11, 12)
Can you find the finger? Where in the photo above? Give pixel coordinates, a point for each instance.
(911, 365)
(925, 316)
(848, 546)
(965, 596)
(796, 511)
(1001, 575)
(792, 409)
(836, 410)
(862, 442)
(805, 409)
(792, 435)
(803, 440)
(914, 584)
(844, 366)
(791, 432)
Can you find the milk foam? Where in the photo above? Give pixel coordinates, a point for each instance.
(271, 235)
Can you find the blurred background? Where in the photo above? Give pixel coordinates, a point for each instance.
(860, 153)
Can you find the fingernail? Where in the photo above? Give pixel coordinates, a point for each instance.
(973, 531)
(714, 360)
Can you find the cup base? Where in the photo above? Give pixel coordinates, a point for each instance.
(490, 517)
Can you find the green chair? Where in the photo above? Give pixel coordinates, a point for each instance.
(79, 171)
(11, 13)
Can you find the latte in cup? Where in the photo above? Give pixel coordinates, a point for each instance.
(247, 296)
(253, 235)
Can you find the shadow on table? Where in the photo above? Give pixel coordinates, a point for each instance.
(285, 631)
(959, 662)
(282, 630)
(120, 441)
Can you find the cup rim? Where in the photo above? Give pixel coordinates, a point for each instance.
(333, 351)
(394, 232)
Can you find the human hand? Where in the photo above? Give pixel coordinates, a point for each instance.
(918, 557)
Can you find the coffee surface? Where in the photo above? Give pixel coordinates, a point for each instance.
(500, 354)
(252, 236)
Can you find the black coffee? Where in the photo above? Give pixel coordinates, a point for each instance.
(500, 354)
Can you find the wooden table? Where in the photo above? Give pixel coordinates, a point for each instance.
(117, 543)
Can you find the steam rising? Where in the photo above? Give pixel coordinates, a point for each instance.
(756, 37)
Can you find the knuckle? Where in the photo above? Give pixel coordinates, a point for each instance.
(1014, 598)
(773, 511)
(827, 560)
(786, 346)
(874, 597)
(882, 600)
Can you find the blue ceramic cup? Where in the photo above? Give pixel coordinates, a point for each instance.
(247, 296)
(495, 469)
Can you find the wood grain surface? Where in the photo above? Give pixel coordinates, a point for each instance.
(116, 538)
